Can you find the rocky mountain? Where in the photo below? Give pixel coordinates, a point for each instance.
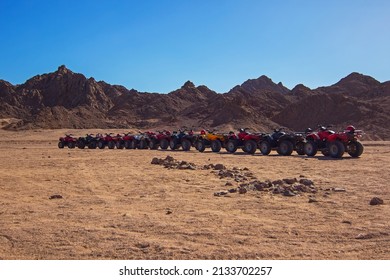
(64, 99)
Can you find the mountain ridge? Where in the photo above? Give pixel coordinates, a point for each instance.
(64, 99)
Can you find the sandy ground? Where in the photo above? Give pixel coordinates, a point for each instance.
(117, 205)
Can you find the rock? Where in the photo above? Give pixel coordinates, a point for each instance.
(232, 190)
(169, 159)
(306, 182)
(288, 193)
(277, 182)
(55, 196)
(245, 169)
(220, 193)
(290, 181)
(312, 199)
(229, 184)
(242, 190)
(169, 211)
(155, 161)
(339, 190)
(376, 201)
(347, 222)
(219, 166)
(364, 236)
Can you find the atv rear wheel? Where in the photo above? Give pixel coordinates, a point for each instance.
(92, 145)
(71, 145)
(336, 149)
(216, 146)
(127, 144)
(61, 144)
(101, 145)
(80, 144)
(111, 145)
(164, 144)
(186, 144)
(250, 146)
(355, 149)
(173, 144)
(200, 146)
(299, 148)
(231, 146)
(285, 148)
(120, 145)
(265, 147)
(142, 144)
(133, 144)
(310, 148)
(153, 145)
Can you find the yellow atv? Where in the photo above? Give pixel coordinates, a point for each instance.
(210, 139)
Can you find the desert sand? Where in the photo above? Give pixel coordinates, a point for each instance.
(116, 205)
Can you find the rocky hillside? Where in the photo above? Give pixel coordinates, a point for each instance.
(64, 99)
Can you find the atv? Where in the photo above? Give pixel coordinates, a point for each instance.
(284, 143)
(68, 141)
(209, 139)
(88, 141)
(334, 144)
(107, 140)
(248, 142)
(161, 138)
(182, 139)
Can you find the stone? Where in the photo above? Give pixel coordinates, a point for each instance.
(219, 166)
(339, 190)
(312, 200)
(364, 236)
(290, 181)
(155, 161)
(306, 182)
(277, 182)
(221, 193)
(242, 190)
(288, 193)
(229, 184)
(55, 196)
(376, 201)
(232, 190)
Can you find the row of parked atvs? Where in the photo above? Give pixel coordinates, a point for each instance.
(329, 142)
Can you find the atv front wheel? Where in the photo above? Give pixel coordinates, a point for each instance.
(355, 149)
(200, 146)
(336, 149)
(231, 146)
(120, 145)
(133, 144)
(164, 144)
(310, 148)
(265, 147)
(186, 144)
(61, 144)
(216, 146)
(250, 146)
(71, 145)
(111, 145)
(285, 148)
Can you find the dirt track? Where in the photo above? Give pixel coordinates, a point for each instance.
(116, 205)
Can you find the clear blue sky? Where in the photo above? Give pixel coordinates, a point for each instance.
(158, 45)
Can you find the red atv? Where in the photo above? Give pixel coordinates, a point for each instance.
(245, 140)
(127, 141)
(107, 140)
(68, 141)
(334, 144)
(161, 138)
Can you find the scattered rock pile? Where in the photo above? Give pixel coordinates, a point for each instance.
(171, 163)
(286, 187)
